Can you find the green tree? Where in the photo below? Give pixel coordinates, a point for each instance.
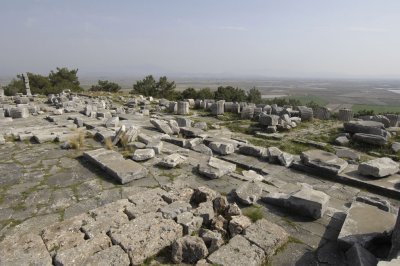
(63, 78)
(40, 84)
(254, 96)
(146, 87)
(205, 93)
(165, 88)
(189, 93)
(105, 85)
(230, 94)
(161, 89)
(15, 86)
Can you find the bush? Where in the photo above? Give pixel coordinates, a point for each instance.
(105, 85)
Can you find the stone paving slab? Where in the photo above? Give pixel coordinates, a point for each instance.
(113, 162)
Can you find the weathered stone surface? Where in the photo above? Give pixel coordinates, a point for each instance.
(145, 236)
(189, 222)
(188, 249)
(172, 160)
(201, 125)
(239, 251)
(115, 165)
(252, 176)
(395, 249)
(342, 141)
(266, 235)
(65, 234)
(232, 210)
(273, 154)
(172, 210)
(212, 239)
(79, 254)
(222, 148)
(268, 120)
(370, 139)
(219, 224)
(143, 155)
(203, 194)
(161, 126)
(396, 146)
(25, 249)
(183, 122)
(365, 127)
(323, 160)
(379, 167)
(192, 132)
(393, 262)
(205, 210)
(248, 193)
(285, 159)
(380, 203)
(174, 126)
(216, 168)
(362, 226)
(220, 204)
(238, 224)
(112, 122)
(156, 145)
(202, 148)
(109, 216)
(306, 202)
(348, 153)
(113, 255)
(252, 150)
(146, 202)
(357, 255)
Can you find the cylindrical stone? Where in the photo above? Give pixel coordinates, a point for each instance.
(345, 115)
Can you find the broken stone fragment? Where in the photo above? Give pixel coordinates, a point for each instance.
(113, 255)
(252, 175)
(161, 126)
(145, 236)
(220, 204)
(362, 226)
(324, 161)
(342, 141)
(202, 148)
(219, 224)
(203, 194)
(188, 249)
(112, 122)
(239, 251)
(24, 249)
(252, 150)
(273, 154)
(248, 193)
(267, 235)
(172, 160)
(189, 222)
(174, 126)
(79, 254)
(205, 210)
(212, 239)
(172, 210)
(306, 201)
(357, 255)
(223, 148)
(216, 168)
(156, 145)
(370, 139)
(143, 155)
(115, 165)
(285, 159)
(232, 210)
(380, 167)
(238, 224)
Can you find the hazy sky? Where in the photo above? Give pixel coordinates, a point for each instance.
(299, 38)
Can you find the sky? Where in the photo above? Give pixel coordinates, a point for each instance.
(266, 38)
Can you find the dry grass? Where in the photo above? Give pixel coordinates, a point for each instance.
(108, 143)
(77, 142)
(124, 141)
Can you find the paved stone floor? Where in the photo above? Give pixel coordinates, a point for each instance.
(41, 184)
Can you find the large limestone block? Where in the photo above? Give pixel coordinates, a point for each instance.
(365, 127)
(222, 148)
(248, 193)
(364, 223)
(395, 249)
(145, 236)
(188, 249)
(323, 160)
(216, 168)
(113, 255)
(306, 201)
(380, 167)
(115, 165)
(172, 160)
(268, 236)
(239, 251)
(24, 249)
(162, 126)
(370, 139)
(77, 255)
